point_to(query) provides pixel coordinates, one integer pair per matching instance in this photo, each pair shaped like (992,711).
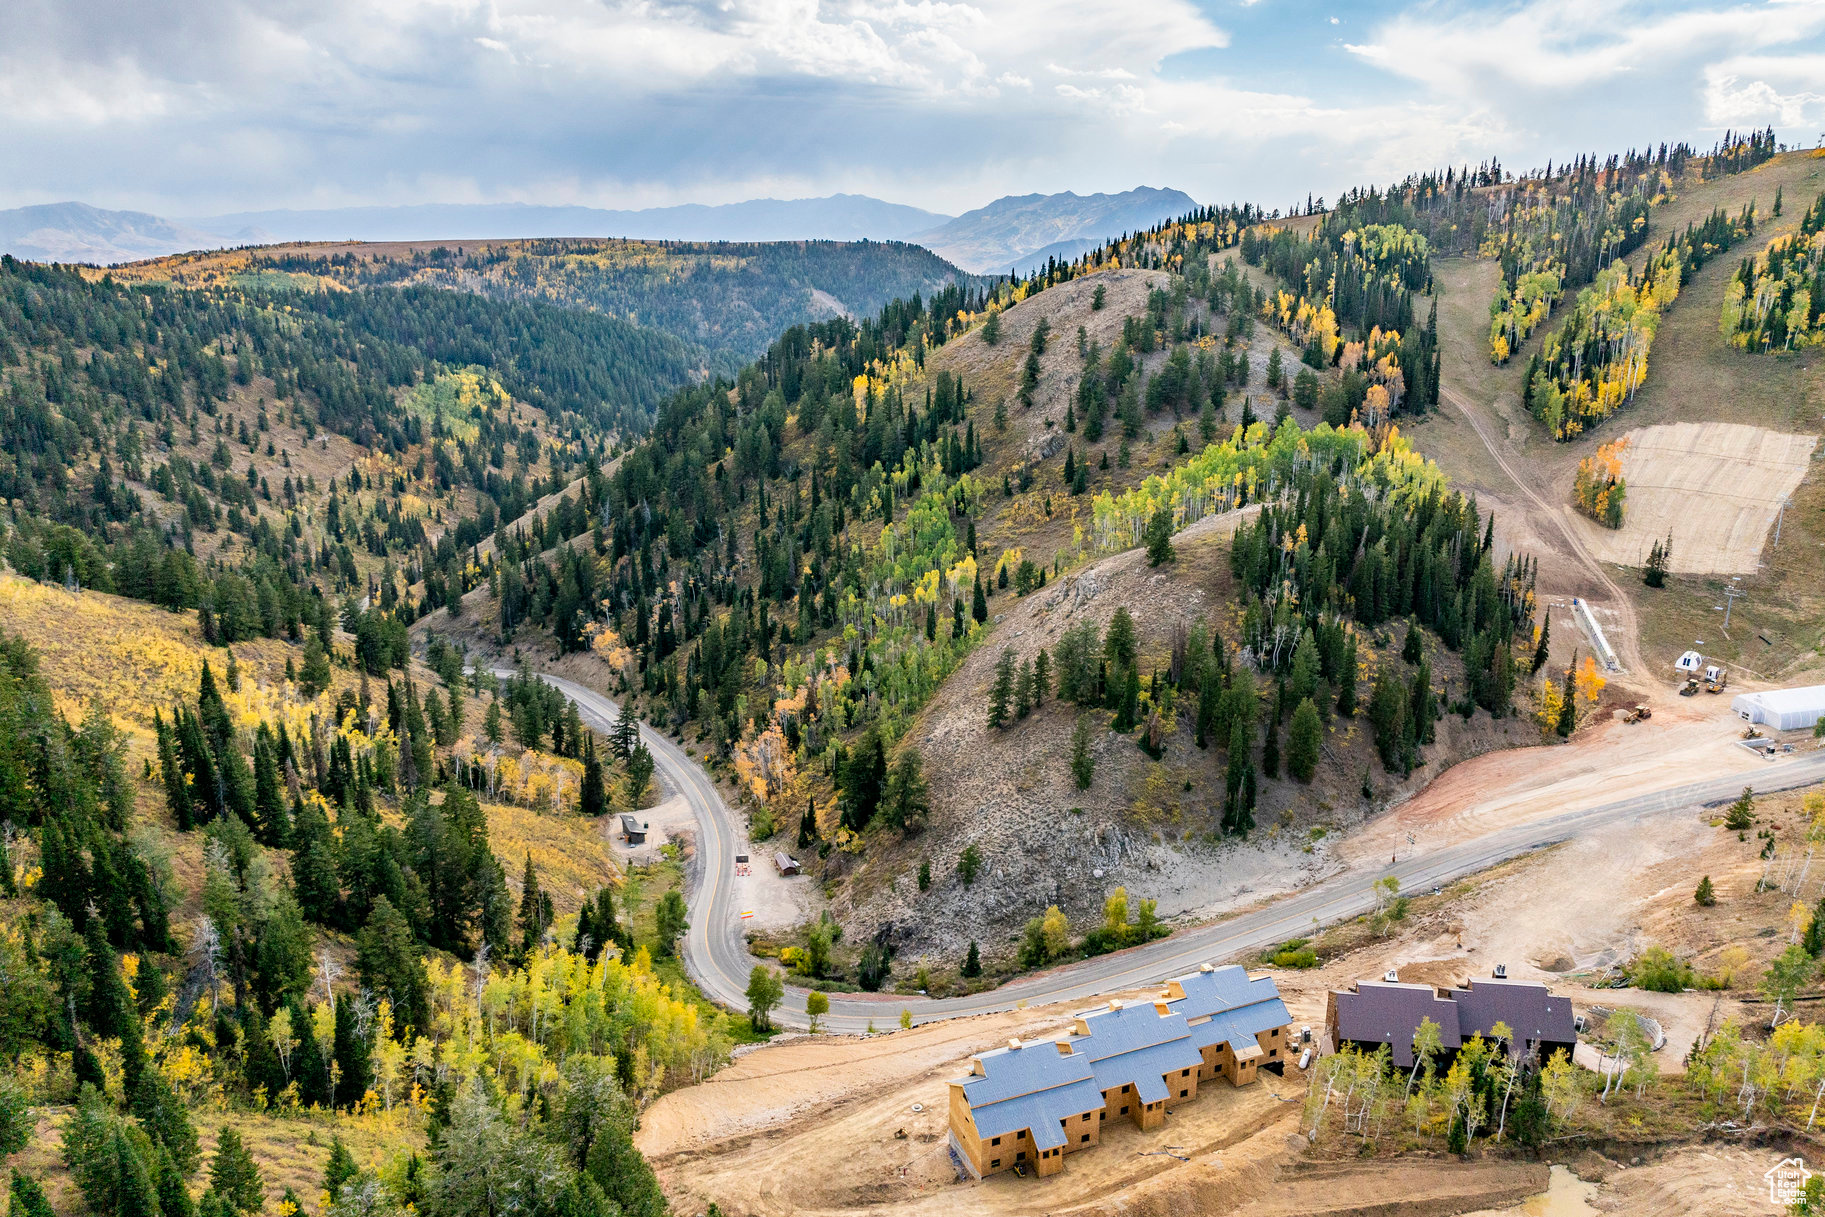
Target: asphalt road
(717,958)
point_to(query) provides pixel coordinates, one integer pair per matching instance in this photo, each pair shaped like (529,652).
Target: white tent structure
(1691,662)
(1782,709)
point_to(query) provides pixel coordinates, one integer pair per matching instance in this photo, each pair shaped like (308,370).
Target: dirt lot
(1714,487)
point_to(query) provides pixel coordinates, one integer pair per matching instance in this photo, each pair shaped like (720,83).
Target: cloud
(192,106)
(1572,44)
(1754,91)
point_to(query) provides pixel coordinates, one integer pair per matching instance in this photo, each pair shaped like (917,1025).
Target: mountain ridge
(1017,231)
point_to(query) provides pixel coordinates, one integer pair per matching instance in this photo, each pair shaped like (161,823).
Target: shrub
(1659,970)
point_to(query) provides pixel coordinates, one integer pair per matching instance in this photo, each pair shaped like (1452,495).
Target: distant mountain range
(77,232)
(1016,232)
(1021,231)
(838,217)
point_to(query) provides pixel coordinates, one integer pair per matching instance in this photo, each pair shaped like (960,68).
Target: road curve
(716,954)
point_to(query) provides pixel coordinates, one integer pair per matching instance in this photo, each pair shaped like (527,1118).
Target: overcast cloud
(202,106)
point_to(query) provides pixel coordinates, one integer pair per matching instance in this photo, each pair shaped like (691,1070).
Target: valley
(973,650)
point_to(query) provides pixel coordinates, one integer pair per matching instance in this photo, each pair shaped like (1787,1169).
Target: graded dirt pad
(1715,487)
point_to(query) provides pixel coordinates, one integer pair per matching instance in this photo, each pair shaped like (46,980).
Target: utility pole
(1779,517)
(1731,593)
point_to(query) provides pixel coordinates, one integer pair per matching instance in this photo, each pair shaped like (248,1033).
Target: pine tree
(1655,573)
(339,1170)
(1410,647)
(979,607)
(592,799)
(1543,649)
(991,329)
(1706,896)
(351,1053)
(1741,816)
(234,1176)
(534,907)
(27,1197)
(1568,706)
(807,825)
(171,773)
(1303,742)
(972,962)
(1158,538)
(1001,693)
(1023,690)
(491,721)
(1042,678)
(1270,750)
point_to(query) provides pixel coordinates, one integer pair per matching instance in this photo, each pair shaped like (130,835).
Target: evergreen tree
(972,962)
(1543,649)
(392,965)
(1410,647)
(1568,705)
(1270,750)
(351,1052)
(1346,678)
(1001,693)
(1388,715)
(339,1170)
(991,329)
(979,605)
(807,825)
(234,1176)
(1042,678)
(592,799)
(27,1197)
(1813,941)
(536,911)
(1303,742)
(1158,538)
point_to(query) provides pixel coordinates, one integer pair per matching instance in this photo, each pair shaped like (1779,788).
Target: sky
(195,107)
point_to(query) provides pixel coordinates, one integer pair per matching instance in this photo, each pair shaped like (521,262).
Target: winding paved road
(717,958)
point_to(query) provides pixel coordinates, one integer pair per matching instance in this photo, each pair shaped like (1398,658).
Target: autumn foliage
(1600,490)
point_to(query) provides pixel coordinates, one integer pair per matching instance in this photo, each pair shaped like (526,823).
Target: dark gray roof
(1529,1009)
(1034,1087)
(1386,1013)
(1137,1045)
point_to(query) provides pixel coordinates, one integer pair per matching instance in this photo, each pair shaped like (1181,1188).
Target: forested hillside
(792,566)
(262,871)
(726,300)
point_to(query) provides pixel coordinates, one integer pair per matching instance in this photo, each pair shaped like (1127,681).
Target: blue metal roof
(1137,1045)
(1042,1114)
(1241,1025)
(1034,1087)
(1219,989)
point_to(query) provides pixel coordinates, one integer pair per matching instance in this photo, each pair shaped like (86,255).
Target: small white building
(1691,663)
(1782,709)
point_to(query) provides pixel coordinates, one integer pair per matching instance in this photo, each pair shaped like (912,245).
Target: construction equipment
(1637,713)
(1689,688)
(1715,679)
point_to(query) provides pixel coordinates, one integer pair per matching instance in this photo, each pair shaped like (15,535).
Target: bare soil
(1714,488)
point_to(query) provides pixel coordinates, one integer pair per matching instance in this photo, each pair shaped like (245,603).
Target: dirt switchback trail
(1626,640)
